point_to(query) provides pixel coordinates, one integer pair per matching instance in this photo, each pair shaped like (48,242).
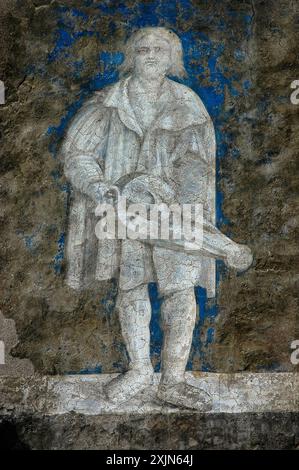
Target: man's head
(153,52)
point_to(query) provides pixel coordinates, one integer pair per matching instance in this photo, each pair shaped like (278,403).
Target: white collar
(179,106)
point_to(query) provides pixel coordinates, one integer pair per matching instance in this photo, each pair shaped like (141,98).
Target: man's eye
(143,50)
(157,49)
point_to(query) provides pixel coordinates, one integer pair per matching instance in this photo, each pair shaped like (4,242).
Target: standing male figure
(147,131)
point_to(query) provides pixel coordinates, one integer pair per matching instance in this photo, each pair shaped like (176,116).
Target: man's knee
(180,306)
(180,295)
(134,302)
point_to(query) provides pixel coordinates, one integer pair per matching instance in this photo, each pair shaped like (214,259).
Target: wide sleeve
(193,166)
(200,155)
(84,146)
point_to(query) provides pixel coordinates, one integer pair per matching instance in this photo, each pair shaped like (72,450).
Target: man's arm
(84,143)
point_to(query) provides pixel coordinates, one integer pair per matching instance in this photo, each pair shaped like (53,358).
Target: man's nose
(151,53)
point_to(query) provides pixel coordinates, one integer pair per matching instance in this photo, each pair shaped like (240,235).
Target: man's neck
(148,86)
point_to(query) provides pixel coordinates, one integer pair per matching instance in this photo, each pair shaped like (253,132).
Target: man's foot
(126,386)
(184,395)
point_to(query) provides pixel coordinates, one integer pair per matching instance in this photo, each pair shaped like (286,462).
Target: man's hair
(176,69)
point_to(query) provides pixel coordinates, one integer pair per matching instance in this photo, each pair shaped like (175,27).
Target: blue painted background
(206,76)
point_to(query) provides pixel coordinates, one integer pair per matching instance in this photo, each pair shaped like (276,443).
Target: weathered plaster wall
(241,57)
(12,365)
(249,431)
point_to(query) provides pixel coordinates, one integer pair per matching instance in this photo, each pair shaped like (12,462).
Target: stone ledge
(232,393)
(251,411)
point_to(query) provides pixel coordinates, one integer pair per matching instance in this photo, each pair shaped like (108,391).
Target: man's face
(152,57)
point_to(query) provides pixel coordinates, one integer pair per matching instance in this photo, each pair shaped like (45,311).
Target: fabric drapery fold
(104,144)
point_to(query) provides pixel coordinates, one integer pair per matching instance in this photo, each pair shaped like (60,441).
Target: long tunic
(106,145)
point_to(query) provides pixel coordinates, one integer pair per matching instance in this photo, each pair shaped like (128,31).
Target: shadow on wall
(9,438)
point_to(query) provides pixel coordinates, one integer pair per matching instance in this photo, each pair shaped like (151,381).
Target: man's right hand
(111,195)
(102,193)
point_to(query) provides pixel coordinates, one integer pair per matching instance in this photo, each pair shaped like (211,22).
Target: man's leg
(179,315)
(134,314)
